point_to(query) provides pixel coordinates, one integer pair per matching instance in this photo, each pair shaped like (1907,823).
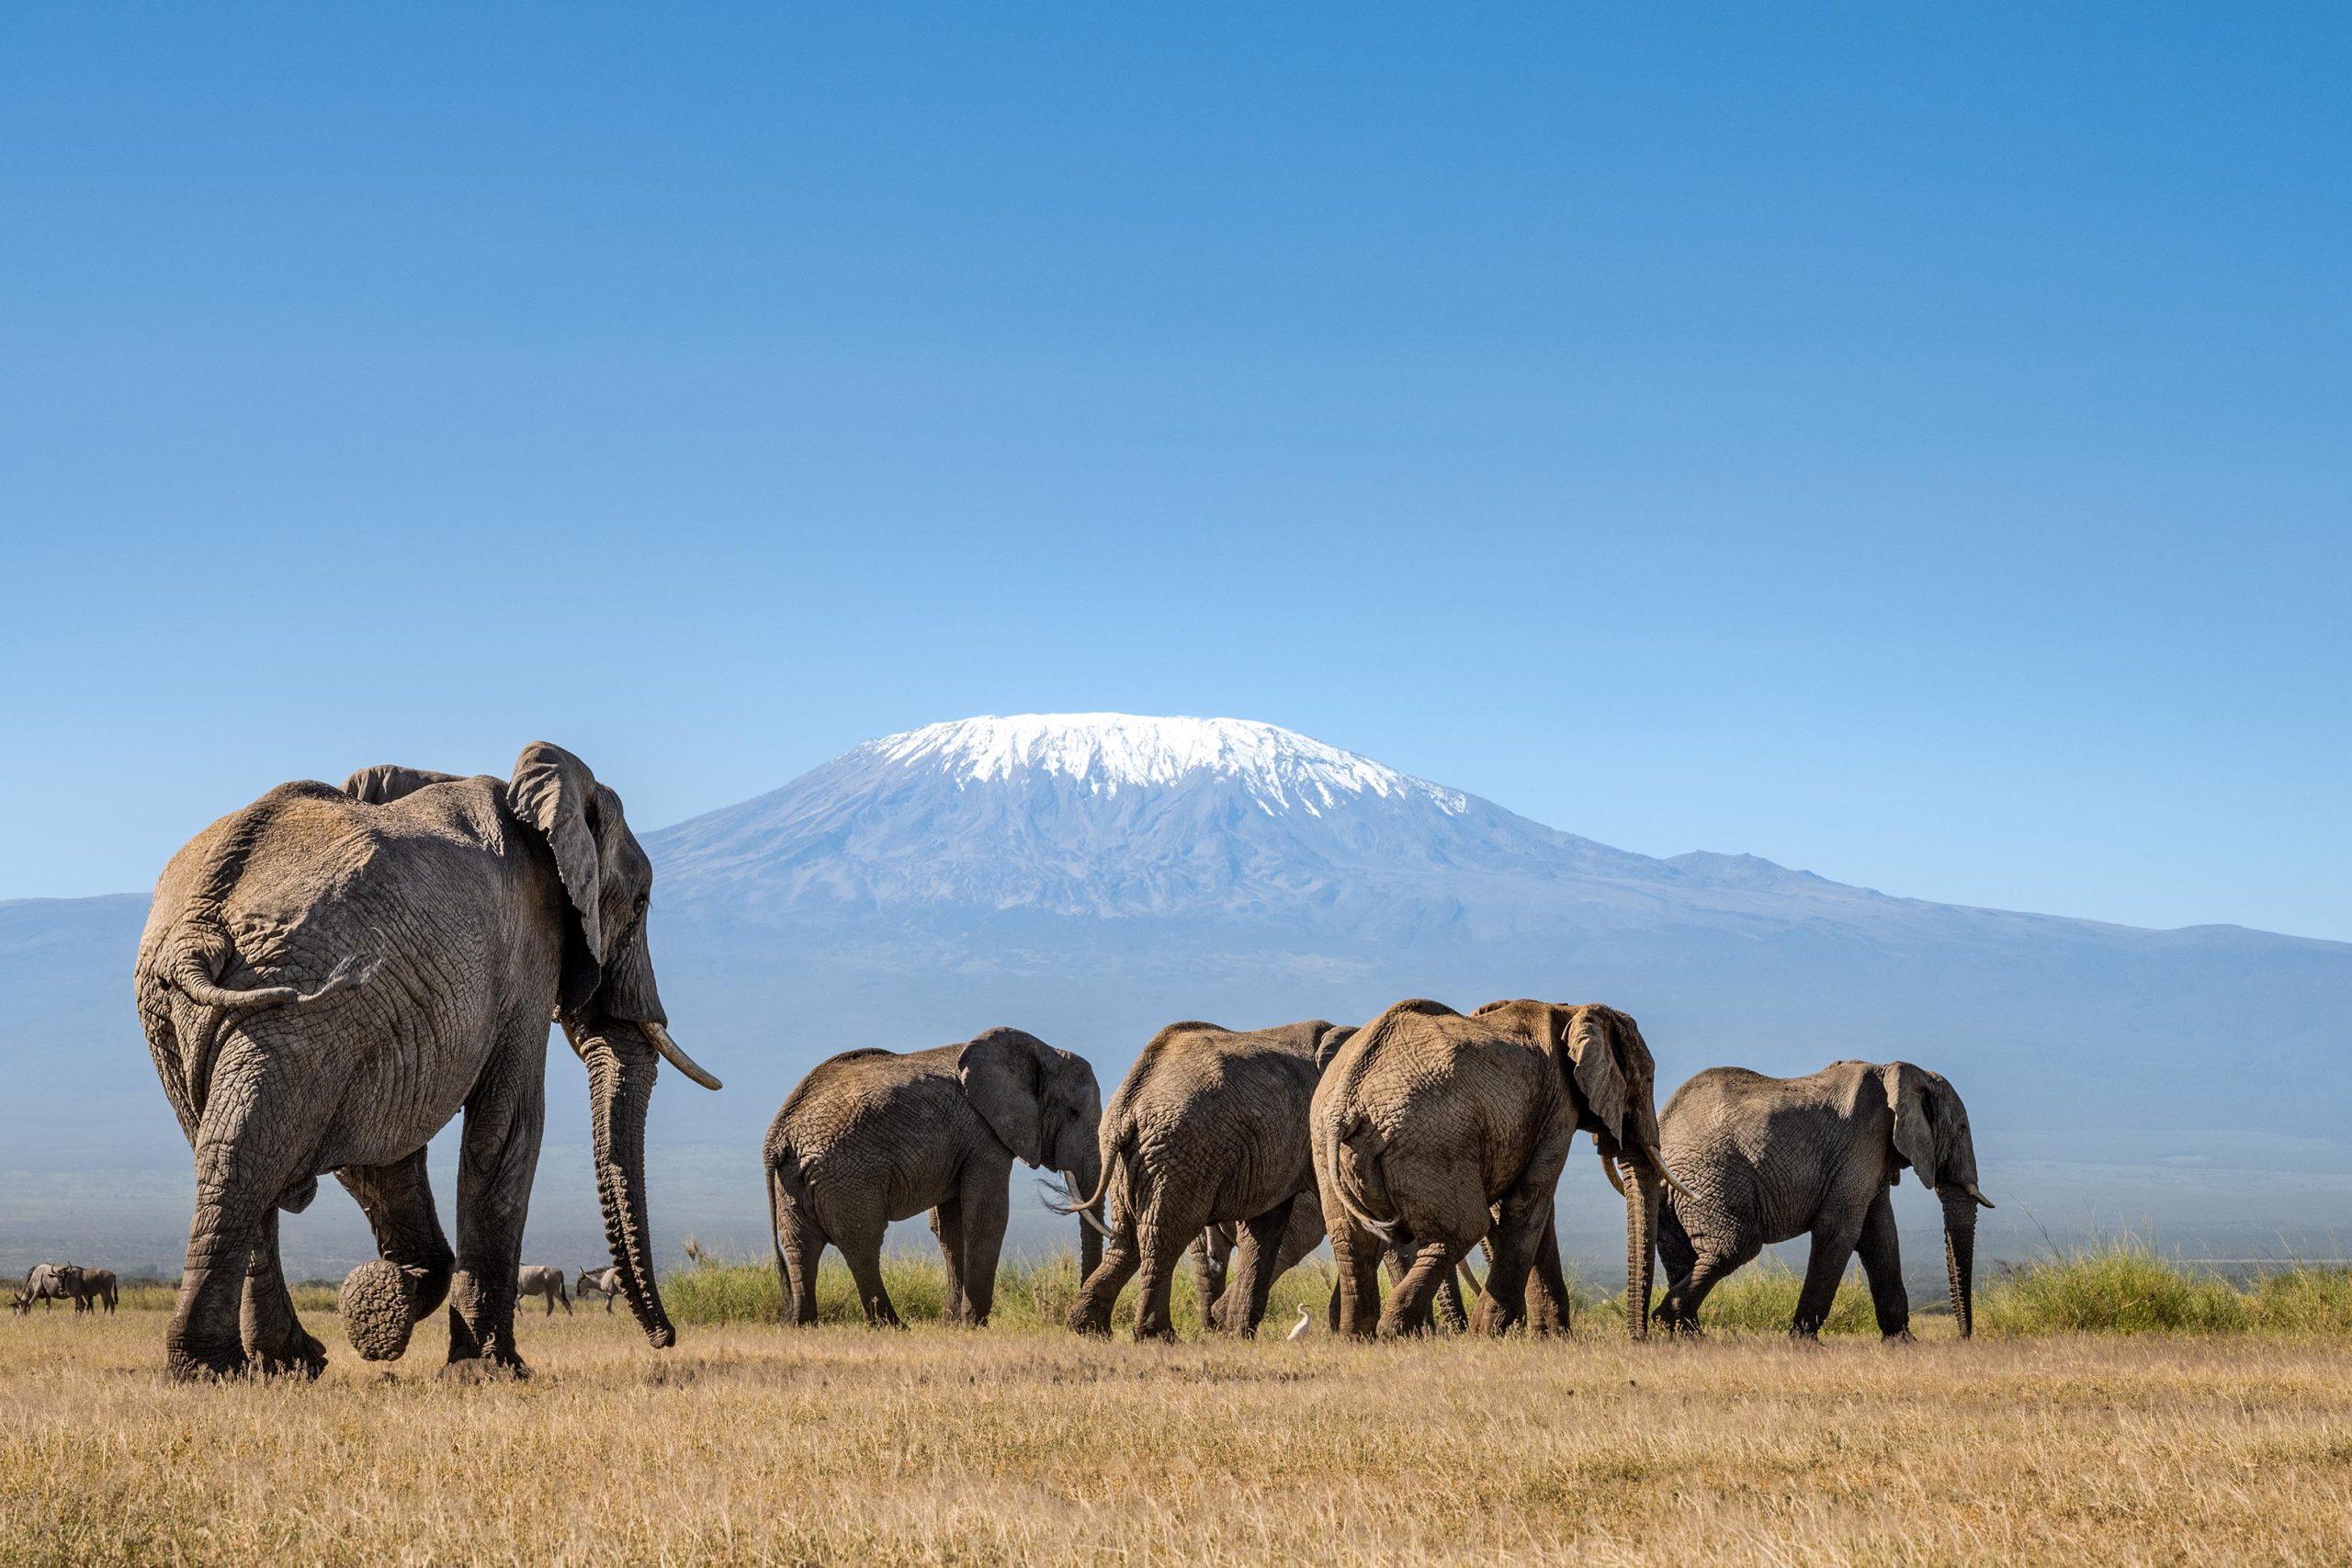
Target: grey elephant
(1208,1127)
(1444,1129)
(543,1280)
(1765,1160)
(329,976)
(872,1137)
(604,1282)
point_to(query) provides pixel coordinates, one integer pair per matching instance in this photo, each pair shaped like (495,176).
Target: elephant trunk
(1643,1194)
(1959,1258)
(621,1065)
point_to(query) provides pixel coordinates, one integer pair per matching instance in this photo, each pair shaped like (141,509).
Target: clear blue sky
(1912,443)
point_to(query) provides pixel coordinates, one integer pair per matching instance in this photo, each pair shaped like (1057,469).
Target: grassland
(2209,1434)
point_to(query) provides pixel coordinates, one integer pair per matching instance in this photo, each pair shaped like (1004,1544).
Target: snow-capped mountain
(1109,817)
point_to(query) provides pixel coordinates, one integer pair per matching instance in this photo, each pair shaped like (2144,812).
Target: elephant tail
(192,966)
(1361,1140)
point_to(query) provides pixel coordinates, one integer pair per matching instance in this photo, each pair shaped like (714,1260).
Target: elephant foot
(378,1311)
(1806,1337)
(300,1356)
(1900,1337)
(486,1368)
(184,1365)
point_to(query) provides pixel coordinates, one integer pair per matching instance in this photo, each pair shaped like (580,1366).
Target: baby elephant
(1767,1159)
(541,1279)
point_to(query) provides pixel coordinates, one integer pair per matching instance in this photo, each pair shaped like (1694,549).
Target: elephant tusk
(1657,1159)
(1979,1196)
(676,1057)
(1608,1170)
(1086,1217)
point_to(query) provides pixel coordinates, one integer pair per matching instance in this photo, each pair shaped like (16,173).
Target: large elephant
(1444,1129)
(329,976)
(1209,1126)
(1767,1159)
(872,1137)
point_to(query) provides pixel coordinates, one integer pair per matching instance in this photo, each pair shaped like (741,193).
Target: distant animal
(1763,1160)
(1208,1127)
(47,1282)
(92,1288)
(328,977)
(604,1282)
(1298,1330)
(872,1137)
(539,1279)
(1445,1130)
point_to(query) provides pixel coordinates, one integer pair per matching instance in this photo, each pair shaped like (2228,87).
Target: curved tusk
(1087,1215)
(675,1057)
(1608,1170)
(1979,1197)
(1657,1159)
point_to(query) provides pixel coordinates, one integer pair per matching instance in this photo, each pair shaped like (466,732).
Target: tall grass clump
(2117,1287)
(1762,1299)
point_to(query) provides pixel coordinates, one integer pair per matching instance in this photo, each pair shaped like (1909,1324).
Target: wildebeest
(92,1288)
(48,1282)
(542,1280)
(604,1282)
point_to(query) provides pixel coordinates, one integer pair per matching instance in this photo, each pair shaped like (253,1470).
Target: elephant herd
(1408,1142)
(330,976)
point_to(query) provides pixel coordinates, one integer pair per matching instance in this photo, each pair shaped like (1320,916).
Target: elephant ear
(1915,1128)
(388,782)
(553,791)
(1328,1044)
(1003,1079)
(1597,1045)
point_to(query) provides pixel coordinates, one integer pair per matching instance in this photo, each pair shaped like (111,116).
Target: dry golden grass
(753,1444)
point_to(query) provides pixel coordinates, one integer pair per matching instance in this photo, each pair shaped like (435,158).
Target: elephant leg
(1833,1248)
(986,1202)
(241,1171)
(948,1226)
(273,1337)
(1548,1285)
(1882,1267)
(862,1249)
(1100,1293)
(1502,1305)
(803,1247)
(397,1200)
(1357,1252)
(1158,1249)
(1209,1252)
(496,1160)
(1409,1310)
(1397,1262)
(1255,1257)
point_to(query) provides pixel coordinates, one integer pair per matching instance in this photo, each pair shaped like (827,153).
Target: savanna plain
(2110,1409)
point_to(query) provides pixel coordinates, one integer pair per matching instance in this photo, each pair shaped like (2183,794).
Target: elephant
(604,1282)
(48,1282)
(1442,1130)
(871,1137)
(1765,1160)
(542,1280)
(329,976)
(93,1288)
(1208,1127)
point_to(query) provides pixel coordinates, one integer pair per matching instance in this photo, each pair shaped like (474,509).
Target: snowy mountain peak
(1107,753)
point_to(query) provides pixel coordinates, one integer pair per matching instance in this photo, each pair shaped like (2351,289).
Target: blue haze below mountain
(1091,877)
